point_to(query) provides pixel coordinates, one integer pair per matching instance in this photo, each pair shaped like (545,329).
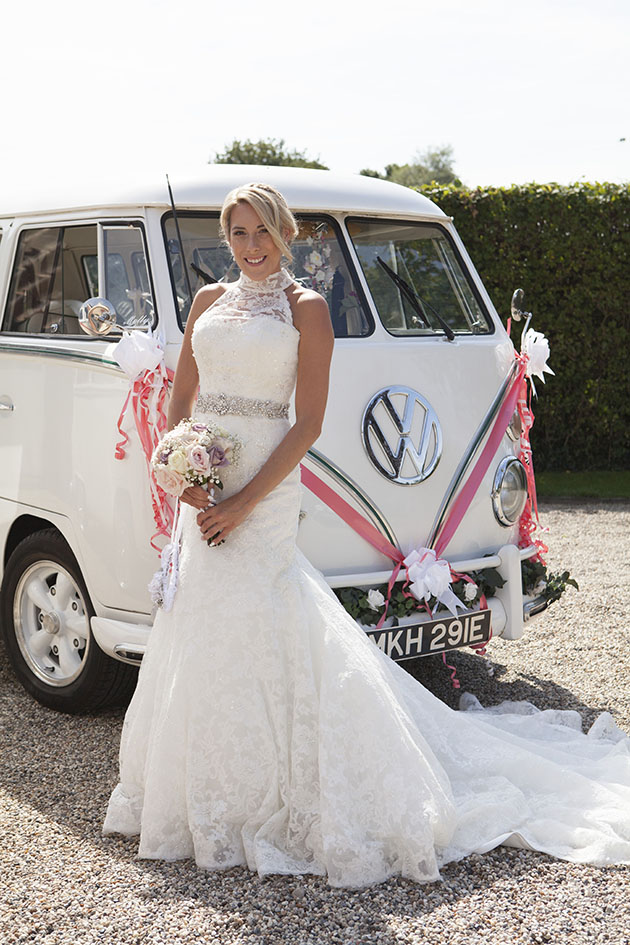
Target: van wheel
(45,613)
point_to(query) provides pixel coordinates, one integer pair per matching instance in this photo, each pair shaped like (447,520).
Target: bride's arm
(312,319)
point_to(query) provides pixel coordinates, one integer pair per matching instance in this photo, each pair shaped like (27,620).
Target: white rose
(178,462)
(470,591)
(375,599)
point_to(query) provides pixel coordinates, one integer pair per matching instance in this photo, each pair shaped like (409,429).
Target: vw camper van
(420,359)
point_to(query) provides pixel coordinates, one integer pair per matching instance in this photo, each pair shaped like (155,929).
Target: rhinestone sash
(243,406)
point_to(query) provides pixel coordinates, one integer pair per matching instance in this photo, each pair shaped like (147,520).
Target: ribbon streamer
(467,493)
(141,357)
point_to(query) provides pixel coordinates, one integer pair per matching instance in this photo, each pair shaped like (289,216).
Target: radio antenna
(179,240)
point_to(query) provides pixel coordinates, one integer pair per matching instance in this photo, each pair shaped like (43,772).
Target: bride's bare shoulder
(307,306)
(206,296)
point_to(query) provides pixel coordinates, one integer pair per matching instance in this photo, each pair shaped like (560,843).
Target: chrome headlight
(509,491)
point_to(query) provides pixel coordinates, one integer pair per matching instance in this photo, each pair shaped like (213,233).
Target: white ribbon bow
(536,347)
(430,576)
(137,352)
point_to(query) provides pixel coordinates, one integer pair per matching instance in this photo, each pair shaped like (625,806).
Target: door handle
(6,403)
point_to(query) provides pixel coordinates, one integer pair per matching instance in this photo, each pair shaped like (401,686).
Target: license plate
(433,636)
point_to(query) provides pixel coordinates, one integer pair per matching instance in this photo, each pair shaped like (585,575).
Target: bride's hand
(222,518)
(196,496)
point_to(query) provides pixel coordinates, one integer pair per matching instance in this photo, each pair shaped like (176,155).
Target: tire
(45,613)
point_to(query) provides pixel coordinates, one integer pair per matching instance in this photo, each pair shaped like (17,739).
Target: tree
(434,165)
(264,151)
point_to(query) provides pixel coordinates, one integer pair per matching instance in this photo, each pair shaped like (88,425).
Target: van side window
(56,270)
(319,262)
(33,304)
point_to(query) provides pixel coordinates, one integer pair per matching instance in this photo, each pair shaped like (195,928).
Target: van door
(66,392)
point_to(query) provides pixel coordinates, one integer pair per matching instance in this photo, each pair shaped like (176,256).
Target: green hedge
(569,249)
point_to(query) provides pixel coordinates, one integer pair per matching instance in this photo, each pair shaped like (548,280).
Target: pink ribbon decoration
(147,395)
(360,525)
(529,521)
(349,515)
(467,493)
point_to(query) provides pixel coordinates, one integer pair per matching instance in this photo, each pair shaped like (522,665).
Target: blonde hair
(272,209)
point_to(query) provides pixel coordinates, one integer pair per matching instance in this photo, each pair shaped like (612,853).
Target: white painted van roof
(304,189)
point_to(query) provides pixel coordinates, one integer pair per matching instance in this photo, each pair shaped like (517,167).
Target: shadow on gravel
(483,677)
(289,908)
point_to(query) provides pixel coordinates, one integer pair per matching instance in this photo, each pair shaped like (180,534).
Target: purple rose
(220,451)
(199,427)
(217,456)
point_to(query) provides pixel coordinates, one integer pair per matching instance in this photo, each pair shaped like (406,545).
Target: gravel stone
(65,884)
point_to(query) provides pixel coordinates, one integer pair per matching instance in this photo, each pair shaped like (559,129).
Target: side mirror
(517,306)
(97,317)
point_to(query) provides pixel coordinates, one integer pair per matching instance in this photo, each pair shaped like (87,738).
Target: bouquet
(191,455)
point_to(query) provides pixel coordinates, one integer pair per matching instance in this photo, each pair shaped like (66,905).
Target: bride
(266,730)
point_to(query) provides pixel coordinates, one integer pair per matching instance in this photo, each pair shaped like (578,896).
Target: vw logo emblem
(402,435)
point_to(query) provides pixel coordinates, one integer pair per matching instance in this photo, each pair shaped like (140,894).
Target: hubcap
(52,625)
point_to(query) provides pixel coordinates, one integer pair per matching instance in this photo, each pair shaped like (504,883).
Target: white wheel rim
(52,625)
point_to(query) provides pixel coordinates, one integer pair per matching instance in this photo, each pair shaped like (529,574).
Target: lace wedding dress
(267,730)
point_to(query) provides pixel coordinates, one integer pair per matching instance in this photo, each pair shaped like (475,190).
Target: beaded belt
(242,406)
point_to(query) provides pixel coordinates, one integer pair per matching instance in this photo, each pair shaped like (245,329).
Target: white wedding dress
(267,730)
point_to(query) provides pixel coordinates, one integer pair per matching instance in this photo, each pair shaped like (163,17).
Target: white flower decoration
(375,599)
(430,576)
(470,591)
(536,347)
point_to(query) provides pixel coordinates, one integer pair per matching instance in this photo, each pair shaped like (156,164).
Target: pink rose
(170,481)
(198,458)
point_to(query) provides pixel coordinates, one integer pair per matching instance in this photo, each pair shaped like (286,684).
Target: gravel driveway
(63,883)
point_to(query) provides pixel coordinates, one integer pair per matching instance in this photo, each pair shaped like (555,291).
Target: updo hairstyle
(272,209)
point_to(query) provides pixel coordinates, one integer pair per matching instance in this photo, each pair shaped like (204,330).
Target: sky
(521,92)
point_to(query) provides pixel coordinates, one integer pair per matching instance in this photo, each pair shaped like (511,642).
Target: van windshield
(424,257)
(319,262)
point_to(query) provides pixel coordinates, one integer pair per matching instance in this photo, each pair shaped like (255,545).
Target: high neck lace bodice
(248,298)
(277,281)
(245,345)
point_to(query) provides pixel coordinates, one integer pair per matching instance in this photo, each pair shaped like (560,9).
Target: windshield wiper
(416,300)
(207,278)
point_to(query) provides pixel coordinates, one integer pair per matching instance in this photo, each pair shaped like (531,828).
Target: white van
(414,380)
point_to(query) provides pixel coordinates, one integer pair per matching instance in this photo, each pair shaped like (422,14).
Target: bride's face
(255,252)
